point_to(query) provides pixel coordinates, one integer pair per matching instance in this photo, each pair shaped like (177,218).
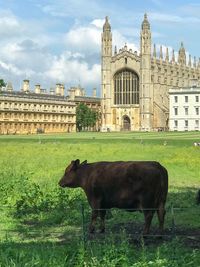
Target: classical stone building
(135,85)
(27,112)
(184,112)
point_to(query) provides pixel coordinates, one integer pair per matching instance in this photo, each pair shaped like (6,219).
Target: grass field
(41,224)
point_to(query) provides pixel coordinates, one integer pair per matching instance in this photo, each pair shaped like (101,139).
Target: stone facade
(134,87)
(184,112)
(27,112)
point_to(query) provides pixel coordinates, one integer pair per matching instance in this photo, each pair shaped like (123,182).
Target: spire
(154,51)
(182,55)
(106,26)
(145,23)
(115,50)
(125,47)
(199,63)
(167,55)
(161,53)
(173,56)
(190,61)
(194,63)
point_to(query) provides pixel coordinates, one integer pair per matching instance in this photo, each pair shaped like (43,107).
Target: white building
(184,111)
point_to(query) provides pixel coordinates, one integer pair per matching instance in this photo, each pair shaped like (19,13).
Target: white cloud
(98,23)
(9,25)
(71,71)
(84,38)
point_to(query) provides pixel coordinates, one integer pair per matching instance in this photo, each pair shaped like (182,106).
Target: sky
(59,41)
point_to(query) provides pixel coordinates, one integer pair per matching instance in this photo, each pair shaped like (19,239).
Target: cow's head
(70,178)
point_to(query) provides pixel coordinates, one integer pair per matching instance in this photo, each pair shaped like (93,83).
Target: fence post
(83,225)
(173,221)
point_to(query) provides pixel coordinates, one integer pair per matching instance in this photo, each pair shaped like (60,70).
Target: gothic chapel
(135,87)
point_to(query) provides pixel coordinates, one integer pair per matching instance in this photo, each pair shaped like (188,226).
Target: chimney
(71,93)
(58,89)
(52,92)
(37,89)
(94,92)
(9,87)
(25,87)
(62,89)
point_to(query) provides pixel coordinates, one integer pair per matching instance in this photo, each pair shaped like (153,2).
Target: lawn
(42,225)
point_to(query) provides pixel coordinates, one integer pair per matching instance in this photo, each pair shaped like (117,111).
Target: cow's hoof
(102,231)
(91,230)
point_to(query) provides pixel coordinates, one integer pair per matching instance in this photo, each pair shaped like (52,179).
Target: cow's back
(129,185)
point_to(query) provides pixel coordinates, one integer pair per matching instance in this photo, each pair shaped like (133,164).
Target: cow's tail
(164,186)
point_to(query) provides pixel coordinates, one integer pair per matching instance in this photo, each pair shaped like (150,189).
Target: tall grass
(40,216)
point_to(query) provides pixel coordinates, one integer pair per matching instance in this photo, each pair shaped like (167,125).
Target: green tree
(85,117)
(2,83)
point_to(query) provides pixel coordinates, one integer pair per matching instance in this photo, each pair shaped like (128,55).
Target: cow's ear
(77,162)
(84,162)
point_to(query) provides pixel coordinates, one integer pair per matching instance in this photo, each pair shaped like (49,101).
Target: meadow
(43,225)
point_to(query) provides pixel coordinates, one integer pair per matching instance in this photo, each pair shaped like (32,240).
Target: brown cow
(131,185)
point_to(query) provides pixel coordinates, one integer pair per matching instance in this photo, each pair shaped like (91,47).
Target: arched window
(126,88)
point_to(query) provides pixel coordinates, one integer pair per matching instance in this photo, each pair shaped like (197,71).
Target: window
(176,99)
(175,111)
(175,123)
(196,123)
(197,98)
(186,111)
(186,98)
(197,111)
(126,87)
(186,123)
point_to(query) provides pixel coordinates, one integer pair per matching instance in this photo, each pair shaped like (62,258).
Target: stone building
(184,112)
(135,86)
(27,112)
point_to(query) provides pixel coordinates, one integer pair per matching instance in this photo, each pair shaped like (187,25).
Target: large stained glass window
(126,87)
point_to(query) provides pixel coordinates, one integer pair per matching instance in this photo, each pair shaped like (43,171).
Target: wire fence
(176,225)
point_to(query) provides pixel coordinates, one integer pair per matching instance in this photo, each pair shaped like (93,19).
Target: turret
(106,52)
(145,76)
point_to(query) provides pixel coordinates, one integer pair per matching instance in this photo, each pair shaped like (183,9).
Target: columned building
(135,86)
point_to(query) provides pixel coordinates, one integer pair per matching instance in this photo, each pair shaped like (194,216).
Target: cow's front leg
(102,222)
(148,215)
(93,221)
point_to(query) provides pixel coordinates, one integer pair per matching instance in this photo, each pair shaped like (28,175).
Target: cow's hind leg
(93,220)
(102,222)
(148,215)
(161,216)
